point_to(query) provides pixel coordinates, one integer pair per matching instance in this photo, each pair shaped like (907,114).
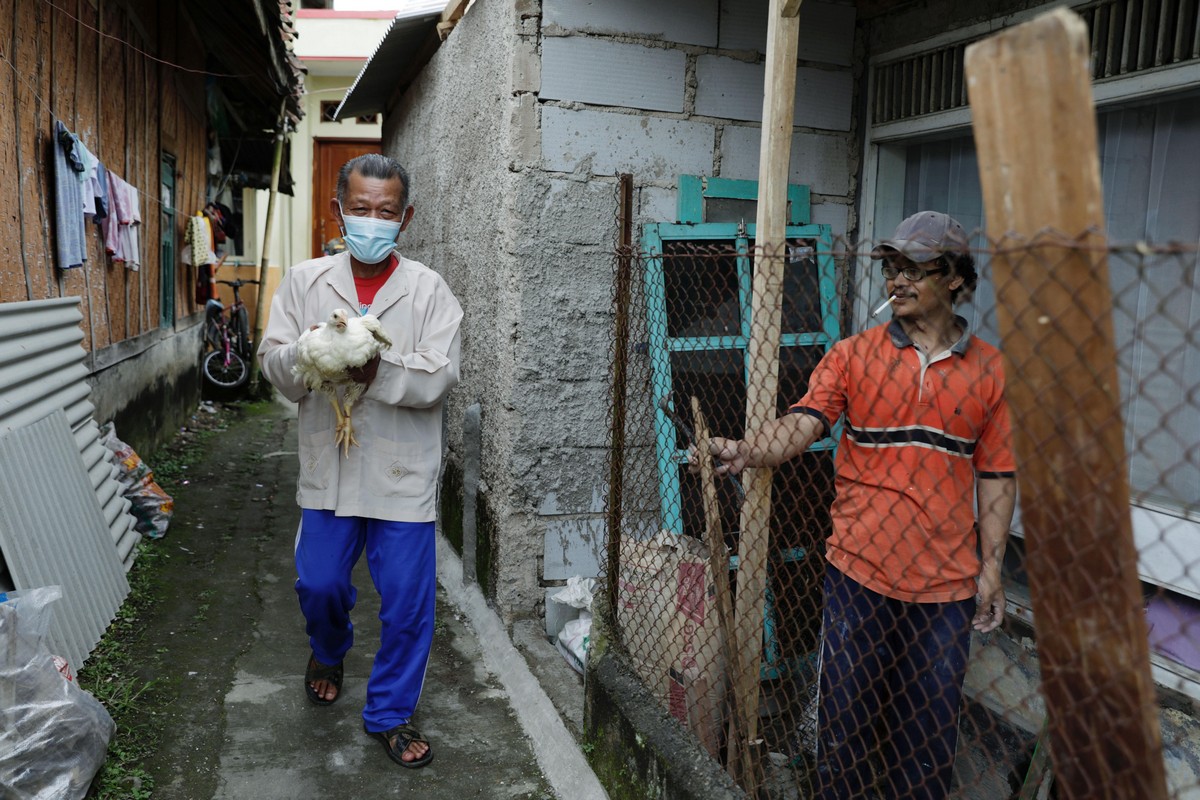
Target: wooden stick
(779,100)
(1036,138)
(718,559)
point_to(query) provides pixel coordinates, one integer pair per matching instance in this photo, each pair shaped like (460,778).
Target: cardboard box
(667,613)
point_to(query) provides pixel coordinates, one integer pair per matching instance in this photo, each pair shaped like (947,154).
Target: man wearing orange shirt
(911,567)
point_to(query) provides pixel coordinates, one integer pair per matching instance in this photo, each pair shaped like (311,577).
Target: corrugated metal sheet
(53,532)
(395,52)
(41,370)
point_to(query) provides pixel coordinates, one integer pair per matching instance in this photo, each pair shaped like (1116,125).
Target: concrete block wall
(657,90)
(690,74)
(453,129)
(515,156)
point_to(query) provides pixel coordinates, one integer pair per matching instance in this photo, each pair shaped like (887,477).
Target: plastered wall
(515,134)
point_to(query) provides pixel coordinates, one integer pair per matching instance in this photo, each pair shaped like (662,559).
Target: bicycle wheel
(225,374)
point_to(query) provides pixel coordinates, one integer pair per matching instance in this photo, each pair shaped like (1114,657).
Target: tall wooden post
(1035,132)
(779,101)
(264,260)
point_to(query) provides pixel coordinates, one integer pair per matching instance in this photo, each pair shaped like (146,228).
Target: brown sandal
(404,736)
(316,671)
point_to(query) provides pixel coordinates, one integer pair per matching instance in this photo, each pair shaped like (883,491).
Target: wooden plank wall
(126,77)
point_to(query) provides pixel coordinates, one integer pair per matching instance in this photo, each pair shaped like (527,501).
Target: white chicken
(326,352)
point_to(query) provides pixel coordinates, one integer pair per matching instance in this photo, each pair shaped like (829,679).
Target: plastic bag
(572,641)
(53,735)
(577,593)
(152,507)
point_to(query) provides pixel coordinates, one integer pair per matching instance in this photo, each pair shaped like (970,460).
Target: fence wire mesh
(865,679)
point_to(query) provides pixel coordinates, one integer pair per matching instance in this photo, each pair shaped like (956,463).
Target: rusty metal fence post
(616,465)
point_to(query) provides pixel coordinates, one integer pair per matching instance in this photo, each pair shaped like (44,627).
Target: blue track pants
(401,557)
(892,675)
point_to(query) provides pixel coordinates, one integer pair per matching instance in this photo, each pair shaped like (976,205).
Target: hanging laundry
(93,185)
(70,244)
(131,227)
(121,237)
(198,241)
(113,244)
(86,177)
(101,189)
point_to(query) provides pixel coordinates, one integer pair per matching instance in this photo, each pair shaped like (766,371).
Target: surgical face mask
(368,239)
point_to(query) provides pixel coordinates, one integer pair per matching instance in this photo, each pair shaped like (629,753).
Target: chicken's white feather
(325,354)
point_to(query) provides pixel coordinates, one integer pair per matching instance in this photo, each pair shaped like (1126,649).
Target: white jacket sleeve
(424,377)
(277,351)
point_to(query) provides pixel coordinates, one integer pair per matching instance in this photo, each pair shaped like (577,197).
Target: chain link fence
(865,702)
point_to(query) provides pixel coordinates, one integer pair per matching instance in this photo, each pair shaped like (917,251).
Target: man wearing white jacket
(382,497)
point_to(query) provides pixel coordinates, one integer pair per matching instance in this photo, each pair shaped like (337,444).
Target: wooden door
(328,157)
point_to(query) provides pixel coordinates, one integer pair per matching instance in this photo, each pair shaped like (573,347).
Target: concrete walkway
(228,648)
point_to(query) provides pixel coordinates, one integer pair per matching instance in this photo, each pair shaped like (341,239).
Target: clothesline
(85,189)
(141,52)
(149,195)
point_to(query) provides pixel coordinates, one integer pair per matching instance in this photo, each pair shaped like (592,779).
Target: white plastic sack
(577,593)
(53,735)
(573,640)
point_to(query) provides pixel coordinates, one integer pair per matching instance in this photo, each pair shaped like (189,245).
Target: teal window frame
(661,346)
(693,191)
(166,246)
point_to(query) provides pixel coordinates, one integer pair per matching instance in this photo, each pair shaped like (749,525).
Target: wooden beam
(779,100)
(791,7)
(718,560)
(1035,133)
(450,16)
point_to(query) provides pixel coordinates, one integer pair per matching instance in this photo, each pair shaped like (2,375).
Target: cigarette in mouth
(883,305)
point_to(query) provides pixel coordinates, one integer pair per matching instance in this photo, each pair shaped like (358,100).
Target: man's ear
(408,215)
(336,211)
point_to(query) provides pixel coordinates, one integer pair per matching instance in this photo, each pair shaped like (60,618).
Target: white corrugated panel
(53,533)
(41,370)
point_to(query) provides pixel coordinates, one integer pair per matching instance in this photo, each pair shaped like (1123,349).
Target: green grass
(111,673)
(111,676)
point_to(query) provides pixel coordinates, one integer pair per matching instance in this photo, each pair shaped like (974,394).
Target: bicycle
(227,365)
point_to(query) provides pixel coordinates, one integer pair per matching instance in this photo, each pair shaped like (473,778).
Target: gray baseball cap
(924,236)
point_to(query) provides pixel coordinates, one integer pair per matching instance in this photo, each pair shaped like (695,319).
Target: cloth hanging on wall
(121,239)
(70,244)
(198,241)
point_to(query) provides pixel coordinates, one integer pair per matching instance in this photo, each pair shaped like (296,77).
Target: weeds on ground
(111,673)
(111,676)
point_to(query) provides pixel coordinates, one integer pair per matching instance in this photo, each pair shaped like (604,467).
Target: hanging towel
(70,244)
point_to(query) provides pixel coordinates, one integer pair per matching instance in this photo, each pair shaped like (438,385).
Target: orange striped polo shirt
(917,434)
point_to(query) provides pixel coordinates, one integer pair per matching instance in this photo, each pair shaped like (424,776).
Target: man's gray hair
(373,165)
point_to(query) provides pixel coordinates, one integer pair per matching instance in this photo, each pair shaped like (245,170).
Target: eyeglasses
(911,274)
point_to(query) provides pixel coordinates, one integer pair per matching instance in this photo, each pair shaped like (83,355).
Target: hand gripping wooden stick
(664,404)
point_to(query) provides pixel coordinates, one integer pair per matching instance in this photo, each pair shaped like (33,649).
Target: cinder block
(686,21)
(732,89)
(650,147)
(820,161)
(572,547)
(655,204)
(728,88)
(835,215)
(824,98)
(826,30)
(523,130)
(526,74)
(610,73)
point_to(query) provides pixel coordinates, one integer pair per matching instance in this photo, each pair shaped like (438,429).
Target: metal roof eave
(393,64)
